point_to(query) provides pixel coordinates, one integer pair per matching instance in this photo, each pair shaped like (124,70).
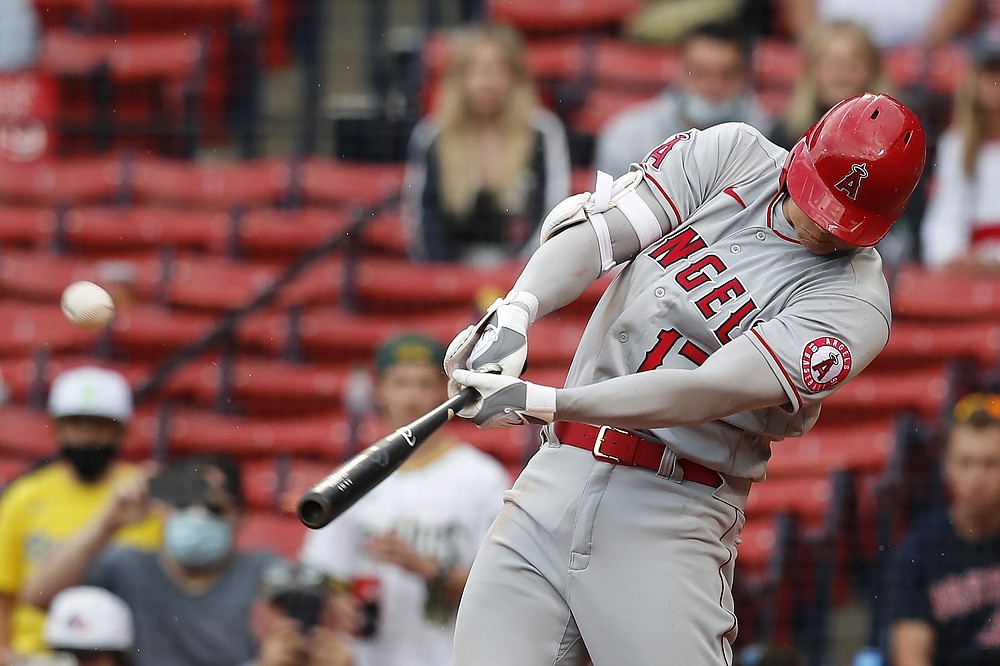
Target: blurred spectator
(485,169)
(841,61)
(19,34)
(714,88)
(667,21)
(924,23)
(191,600)
(769,655)
(90,409)
(961,226)
(407,547)
(91,624)
(945,580)
(294,619)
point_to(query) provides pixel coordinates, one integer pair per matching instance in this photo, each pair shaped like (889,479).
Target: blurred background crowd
(294,203)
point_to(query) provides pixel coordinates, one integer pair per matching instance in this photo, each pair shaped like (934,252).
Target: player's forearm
(734,380)
(561,268)
(68,564)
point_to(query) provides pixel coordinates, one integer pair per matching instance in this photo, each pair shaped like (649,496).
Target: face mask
(197,538)
(704,113)
(89,461)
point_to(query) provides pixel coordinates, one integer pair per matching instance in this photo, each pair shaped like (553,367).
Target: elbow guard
(608,194)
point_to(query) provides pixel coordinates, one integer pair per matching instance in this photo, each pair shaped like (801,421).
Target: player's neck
(975,525)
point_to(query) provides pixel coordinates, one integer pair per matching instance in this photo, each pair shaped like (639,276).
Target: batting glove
(499,342)
(503,400)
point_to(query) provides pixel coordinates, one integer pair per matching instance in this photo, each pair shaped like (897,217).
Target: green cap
(409,348)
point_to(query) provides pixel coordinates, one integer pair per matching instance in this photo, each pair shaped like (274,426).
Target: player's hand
(284,645)
(390,547)
(499,341)
(504,401)
(326,648)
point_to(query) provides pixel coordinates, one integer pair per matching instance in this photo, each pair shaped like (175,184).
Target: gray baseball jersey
(634,567)
(731,266)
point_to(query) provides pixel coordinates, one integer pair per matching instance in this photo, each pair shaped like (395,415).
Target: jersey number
(665,341)
(656,156)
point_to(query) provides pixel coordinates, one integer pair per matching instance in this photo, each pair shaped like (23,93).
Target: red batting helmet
(854,171)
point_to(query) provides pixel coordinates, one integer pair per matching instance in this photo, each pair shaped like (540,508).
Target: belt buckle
(598,454)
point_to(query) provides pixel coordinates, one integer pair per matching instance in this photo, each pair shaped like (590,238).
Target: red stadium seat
(338,183)
(11,469)
(261,480)
(554,341)
(531,15)
(279,533)
(151,332)
(60,13)
(920,344)
(269,387)
(173,57)
(211,186)
(921,293)
(922,391)
(216,284)
(26,226)
(862,449)
(908,66)
(600,106)
(110,231)
(286,233)
(401,283)
(193,431)
(27,327)
(342,337)
(25,434)
(554,58)
(78,181)
(807,497)
(777,63)
(387,234)
(647,69)
(510,446)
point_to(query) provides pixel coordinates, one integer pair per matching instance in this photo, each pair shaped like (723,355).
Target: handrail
(234,317)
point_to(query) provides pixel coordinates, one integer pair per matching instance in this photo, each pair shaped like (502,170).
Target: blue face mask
(705,113)
(197,538)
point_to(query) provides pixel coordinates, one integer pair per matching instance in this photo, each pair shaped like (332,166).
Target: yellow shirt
(42,510)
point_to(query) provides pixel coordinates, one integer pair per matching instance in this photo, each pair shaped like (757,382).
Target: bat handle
(462,399)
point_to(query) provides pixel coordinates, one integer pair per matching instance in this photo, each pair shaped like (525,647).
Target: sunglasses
(981,406)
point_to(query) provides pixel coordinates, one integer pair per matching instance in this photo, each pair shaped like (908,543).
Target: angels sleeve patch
(825,363)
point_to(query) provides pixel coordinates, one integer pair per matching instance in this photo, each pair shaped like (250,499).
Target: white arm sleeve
(669,397)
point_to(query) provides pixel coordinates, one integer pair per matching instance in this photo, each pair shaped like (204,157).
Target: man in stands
(407,547)
(713,87)
(945,585)
(191,600)
(90,409)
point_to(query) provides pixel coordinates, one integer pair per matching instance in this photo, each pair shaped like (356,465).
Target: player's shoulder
(422,135)
(869,283)
(745,140)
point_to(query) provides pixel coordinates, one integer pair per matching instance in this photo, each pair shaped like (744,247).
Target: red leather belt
(621,447)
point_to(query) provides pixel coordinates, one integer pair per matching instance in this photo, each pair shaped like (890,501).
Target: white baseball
(87,306)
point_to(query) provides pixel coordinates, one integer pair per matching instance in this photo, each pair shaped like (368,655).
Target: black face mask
(89,461)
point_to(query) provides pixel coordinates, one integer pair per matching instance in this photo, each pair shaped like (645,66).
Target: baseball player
(750,292)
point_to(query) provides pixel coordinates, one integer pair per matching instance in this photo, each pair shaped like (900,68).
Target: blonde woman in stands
(841,61)
(488,165)
(961,227)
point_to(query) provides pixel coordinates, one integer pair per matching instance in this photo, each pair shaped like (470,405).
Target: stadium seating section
(200,240)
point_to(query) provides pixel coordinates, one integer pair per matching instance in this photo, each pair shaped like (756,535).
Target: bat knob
(314,510)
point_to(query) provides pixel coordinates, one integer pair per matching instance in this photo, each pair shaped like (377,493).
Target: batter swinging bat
(356,477)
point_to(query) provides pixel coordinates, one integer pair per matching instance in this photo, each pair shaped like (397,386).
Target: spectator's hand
(390,547)
(283,645)
(327,648)
(130,502)
(343,612)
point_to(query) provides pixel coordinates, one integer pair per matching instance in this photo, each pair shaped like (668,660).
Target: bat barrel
(356,477)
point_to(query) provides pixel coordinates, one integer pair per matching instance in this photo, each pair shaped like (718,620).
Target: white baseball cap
(91,391)
(89,618)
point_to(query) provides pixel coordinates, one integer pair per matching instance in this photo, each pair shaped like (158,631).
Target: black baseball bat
(356,477)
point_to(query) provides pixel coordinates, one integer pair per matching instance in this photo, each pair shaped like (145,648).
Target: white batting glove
(499,342)
(503,400)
